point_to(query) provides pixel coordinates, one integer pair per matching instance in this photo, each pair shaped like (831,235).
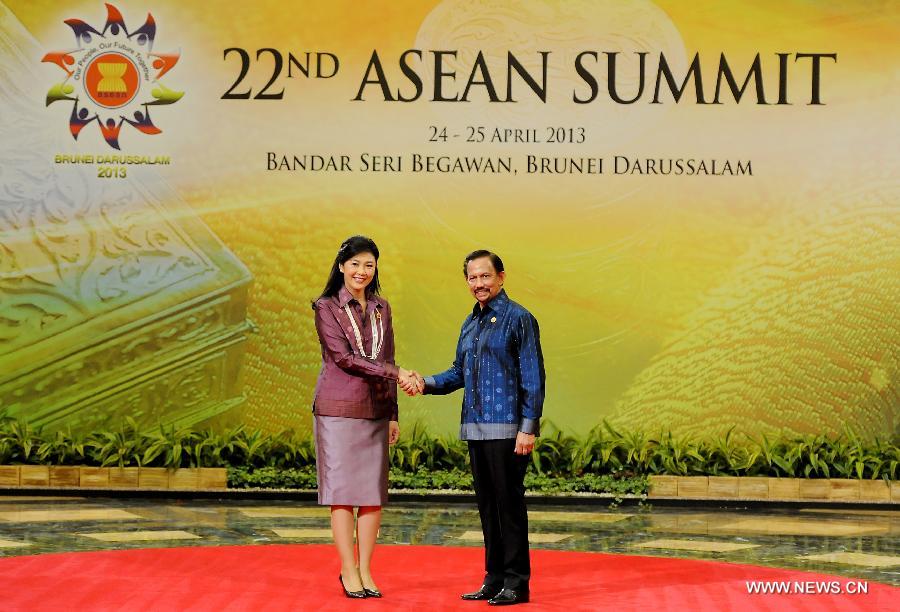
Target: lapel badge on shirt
(493,319)
(377,314)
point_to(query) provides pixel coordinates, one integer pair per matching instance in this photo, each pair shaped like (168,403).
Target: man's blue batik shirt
(500,366)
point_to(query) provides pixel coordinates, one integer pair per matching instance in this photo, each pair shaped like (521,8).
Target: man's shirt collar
(497,304)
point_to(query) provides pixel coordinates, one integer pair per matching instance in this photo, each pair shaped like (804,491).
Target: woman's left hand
(393,432)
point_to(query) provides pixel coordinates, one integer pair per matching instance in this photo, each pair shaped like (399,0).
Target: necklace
(377,334)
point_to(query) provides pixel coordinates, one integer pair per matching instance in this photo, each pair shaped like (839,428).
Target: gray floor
(859,544)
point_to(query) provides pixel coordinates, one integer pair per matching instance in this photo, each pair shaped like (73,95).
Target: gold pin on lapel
(493,319)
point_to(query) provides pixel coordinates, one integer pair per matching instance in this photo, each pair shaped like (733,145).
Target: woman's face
(358,271)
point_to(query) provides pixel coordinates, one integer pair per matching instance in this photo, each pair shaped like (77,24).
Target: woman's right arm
(335,344)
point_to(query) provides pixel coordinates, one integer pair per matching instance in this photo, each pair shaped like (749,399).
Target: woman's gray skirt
(351,460)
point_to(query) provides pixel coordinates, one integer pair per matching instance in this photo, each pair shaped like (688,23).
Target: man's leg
(487,510)
(508,470)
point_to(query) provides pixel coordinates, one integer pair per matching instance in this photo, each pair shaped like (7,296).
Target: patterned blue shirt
(500,365)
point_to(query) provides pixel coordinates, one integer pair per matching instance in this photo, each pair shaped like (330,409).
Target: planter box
(784,488)
(663,486)
(73,476)
(95,477)
(843,489)
(34,475)
(693,486)
(9,475)
(723,486)
(184,478)
(123,478)
(64,476)
(753,487)
(813,488)
(775,489)
(874,490)
(213,478)
(153,478)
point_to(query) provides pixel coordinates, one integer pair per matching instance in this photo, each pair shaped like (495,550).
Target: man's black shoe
(485,592)
(508,597)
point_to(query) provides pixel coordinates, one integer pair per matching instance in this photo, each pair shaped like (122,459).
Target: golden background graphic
(691,303)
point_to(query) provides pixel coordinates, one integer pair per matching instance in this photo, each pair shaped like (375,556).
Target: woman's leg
(342,530)
(368,522)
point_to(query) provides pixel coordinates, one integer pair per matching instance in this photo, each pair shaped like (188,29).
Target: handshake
(411,382)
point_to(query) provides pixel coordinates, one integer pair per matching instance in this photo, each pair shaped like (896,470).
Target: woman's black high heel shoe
(352,594)
(372,592)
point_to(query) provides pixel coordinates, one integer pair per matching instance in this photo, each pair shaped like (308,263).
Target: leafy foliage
(272,478)
(596,461)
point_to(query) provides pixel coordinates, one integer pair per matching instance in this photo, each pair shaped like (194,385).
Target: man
(500,366)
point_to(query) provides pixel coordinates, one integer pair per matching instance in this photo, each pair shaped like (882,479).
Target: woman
(355,406)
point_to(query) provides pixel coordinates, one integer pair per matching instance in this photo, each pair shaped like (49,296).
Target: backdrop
(698,202)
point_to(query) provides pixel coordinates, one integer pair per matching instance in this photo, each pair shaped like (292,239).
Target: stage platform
(139,554)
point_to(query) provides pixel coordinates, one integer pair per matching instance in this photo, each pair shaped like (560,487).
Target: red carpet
(304,577)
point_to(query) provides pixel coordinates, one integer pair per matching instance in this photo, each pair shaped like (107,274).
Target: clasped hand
(411,382)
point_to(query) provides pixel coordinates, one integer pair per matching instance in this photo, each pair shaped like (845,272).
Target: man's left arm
(531,382)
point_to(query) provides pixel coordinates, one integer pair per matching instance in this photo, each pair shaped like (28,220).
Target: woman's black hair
(350,248)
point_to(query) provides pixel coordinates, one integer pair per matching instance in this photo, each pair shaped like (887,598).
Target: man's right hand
(411,382)
(420,382)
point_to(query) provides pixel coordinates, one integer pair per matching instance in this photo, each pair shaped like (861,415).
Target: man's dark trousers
(499,477)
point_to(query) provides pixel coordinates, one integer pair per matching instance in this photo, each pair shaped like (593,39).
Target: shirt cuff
(429,382)
(392,371)
(530,426)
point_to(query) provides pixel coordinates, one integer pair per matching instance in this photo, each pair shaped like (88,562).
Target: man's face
(484,282)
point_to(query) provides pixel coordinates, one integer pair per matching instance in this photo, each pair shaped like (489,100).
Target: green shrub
(426,461)
(271,477)
(438,480)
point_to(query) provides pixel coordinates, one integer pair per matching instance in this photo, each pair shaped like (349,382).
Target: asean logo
(113,77)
